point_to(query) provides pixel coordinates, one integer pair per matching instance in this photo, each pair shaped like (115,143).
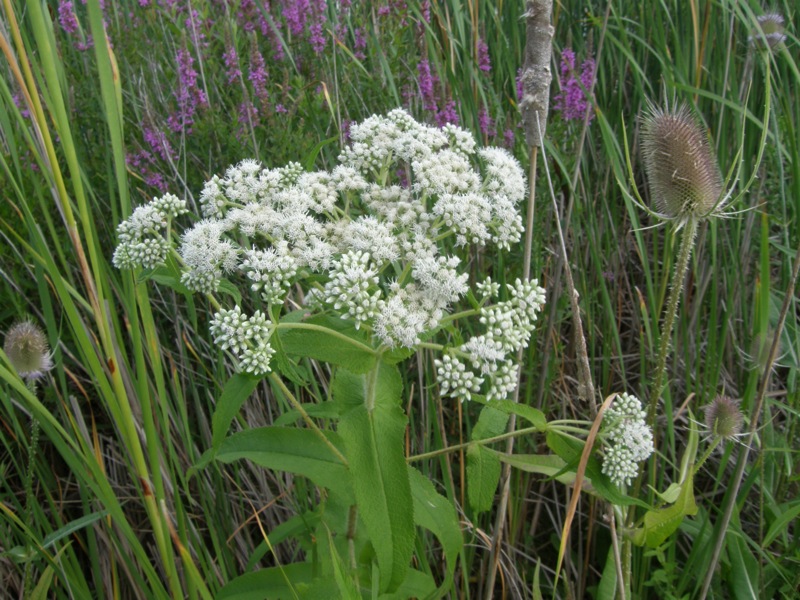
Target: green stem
(306,417)
(685,251)
(29,499)
(483,442)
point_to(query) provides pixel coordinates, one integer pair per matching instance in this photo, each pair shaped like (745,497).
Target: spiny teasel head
(770,32)
(724,417)
(685,180)
(27,350)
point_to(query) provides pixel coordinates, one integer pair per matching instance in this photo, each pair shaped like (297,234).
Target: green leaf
(491,423)
(275,582)
(332,340)
(743,577)
(344,582)
(661,523)
(551,465)
(226,287)
(483,465)
(299,451)
(72,527)
(435,513)
(532,415)
(285,365)
(322,410)
(594,480)
(607,588)
(790,513)
(483,475)
(372,427)
(416,585)
(298,528)
(236,391)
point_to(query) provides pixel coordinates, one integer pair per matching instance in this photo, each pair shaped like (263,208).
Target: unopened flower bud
(724,418)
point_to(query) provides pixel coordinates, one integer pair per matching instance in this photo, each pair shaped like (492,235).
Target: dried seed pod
(684,176)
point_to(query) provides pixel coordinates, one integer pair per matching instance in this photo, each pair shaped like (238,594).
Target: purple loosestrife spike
(685,180)
(724,418)
(27,350)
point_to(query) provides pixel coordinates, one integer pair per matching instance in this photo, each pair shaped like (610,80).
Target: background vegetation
(105,105)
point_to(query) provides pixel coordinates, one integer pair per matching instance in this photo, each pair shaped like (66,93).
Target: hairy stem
(685,251)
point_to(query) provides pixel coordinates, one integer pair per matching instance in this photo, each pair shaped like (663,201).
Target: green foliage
(139,397)
(372,427)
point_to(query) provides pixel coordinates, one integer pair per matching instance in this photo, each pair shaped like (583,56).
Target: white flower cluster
(372,240)
(493,354)
(628,438)
(247,338)
(142,237)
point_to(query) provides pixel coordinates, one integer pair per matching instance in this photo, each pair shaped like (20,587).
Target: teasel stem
(684,253)
(535,106)
(27,516)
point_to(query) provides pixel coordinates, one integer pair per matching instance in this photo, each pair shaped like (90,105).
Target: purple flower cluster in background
(67,18)
(231,60)
(156,148)
(573,101)
(484,62)
(427,83)
(258,77)
(448,114)
(486,123)
(188,94)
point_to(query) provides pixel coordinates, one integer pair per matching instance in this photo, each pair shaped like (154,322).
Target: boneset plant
(361,267)
(370,255)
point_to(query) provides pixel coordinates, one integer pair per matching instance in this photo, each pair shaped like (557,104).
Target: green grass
(127,410)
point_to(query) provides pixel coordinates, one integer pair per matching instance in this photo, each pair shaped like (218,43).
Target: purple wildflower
(188,94)
(360,44)
(258,76)
(425,9)
(158,142)
(484,62)
(317,38)
(384,11)
(67,18)
(231,60)
(248,119)
(447,115)
(508,138)
(486,123)
(296,12)
(281,109)
(426,85)
(247,15)
(23,109)
(520,89)
(573,101)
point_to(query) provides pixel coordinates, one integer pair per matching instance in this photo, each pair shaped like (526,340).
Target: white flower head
(629,440)
(207,256)
(455,379)
(247,338)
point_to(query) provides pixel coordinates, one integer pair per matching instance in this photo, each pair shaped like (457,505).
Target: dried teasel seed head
(770,31)
(27,350)
(685,180)
(724,417)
